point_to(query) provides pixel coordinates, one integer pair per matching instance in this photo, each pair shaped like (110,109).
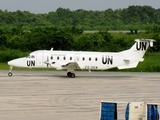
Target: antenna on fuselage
(52,49)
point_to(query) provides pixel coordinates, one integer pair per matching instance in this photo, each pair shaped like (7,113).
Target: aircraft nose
(11,63)
(20,62)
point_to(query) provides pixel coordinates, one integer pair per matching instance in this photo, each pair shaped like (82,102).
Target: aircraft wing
(72,65)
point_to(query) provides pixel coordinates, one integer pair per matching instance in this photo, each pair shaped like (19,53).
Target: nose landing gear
(10,72)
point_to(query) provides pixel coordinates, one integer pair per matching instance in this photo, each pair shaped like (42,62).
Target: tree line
(133,17)
(16,42)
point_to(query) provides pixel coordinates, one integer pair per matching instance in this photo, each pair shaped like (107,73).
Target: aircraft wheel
(69,74)
(10,74)
(72,75)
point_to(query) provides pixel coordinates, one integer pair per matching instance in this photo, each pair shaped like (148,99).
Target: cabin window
(51,57)
(96,59)
(83,58)
(70,58)
(32,56)
(58,58)
(64,58)
(89,58)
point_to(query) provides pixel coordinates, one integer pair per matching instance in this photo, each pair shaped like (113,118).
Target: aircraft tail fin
(139,48)
(135,54)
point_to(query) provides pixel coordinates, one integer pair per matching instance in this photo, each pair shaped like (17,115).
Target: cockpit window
(28,56)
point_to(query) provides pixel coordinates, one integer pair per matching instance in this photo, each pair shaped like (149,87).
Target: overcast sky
(45,6)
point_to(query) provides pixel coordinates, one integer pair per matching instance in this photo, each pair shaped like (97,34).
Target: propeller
(47,62)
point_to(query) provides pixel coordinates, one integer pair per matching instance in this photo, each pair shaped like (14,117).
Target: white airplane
(71,60)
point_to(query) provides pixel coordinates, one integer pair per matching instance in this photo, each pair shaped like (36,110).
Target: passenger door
(39,59)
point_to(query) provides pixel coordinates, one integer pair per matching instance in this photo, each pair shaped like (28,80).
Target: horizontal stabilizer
(133,59)
(126,66)
(130,63)
(149,40)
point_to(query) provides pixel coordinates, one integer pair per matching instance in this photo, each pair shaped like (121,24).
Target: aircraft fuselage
(55,59)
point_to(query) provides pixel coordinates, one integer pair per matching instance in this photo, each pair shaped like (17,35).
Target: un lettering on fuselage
(30,63)
(141,46)
(107,60)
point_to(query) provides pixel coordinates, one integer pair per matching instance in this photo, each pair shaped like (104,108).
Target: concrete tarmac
(51,95)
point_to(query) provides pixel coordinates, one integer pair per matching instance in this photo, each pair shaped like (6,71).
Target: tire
(69,74)
(10,74)
(72,75)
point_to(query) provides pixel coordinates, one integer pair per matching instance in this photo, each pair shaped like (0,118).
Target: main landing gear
(10,72)
(70,74)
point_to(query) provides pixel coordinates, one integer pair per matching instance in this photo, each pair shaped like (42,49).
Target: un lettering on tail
(141,45)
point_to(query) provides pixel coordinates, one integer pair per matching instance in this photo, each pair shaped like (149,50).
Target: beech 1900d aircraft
(71,60)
